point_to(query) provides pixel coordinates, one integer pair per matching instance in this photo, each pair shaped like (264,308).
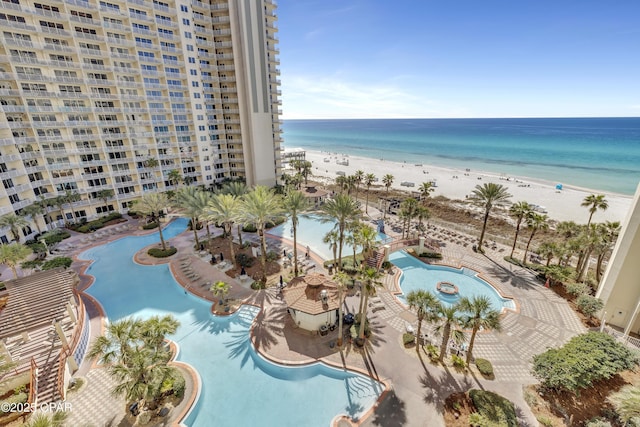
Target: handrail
(33,383)
(62,361)
(77,333)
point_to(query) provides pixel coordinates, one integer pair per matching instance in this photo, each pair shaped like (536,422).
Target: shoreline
(456,183)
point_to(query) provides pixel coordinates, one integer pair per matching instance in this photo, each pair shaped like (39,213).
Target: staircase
(376,260)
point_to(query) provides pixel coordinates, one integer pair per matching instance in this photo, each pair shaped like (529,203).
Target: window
(82,14)
(176,94)
(195,84)
(149,67)
(143,54)
(84,30)
(154,93)
(148,80)
(137,12)
(170,58)
(185,21)
(47,7)
(192,60)
(140,26)
(143,40)
(90,46)
(60,58)
(104,4)
(93,61)
(34,87)
(174,82)
(190,48)
(184,8)
(12,18)
(172,70)
(187,35)
(162,31)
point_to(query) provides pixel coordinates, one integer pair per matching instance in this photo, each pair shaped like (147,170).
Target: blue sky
(459,58)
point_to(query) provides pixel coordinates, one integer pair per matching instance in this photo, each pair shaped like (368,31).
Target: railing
(62,362)
(629,341)
(33,383)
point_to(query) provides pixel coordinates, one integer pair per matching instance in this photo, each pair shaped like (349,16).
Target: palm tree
(342,279)
(548,250)
(478,313)
(487,196)
(370,278)
(105,195)
(626,401)
(367,239)
(220,290)
(238,189)
(33,211)
(422,213)
(14,223)
(341,181)
(450,319)
(358,177)
(295,204)
(369,179)
(425,189)
(341,209)
(426,305)
(594,203)
(59,202)
(331,238)
(259,207)
(408,210)
(187,198)
(387,180)
(305,170)
(13,254)
(152,204)
(174,176)
(154,330)
(71,197)
(535,222)
(519,211)
(224,209)
(608,232)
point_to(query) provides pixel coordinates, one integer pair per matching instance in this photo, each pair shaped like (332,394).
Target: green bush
(597,422)
(257,285)
(494,407)
(15,398)
(408,339)
(576,289)
(589,305)
(545,421)
(178,385)
(458,362)
(244,260)
(386,265)
(160,253)
(514,261)
(433,352)
(271,256)
(56,236)
(57,262)
(585,359)
(144,418)
(249,228)
(485,367)
(433,255)
(150,226)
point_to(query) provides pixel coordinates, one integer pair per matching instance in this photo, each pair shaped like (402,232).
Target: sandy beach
(561,205)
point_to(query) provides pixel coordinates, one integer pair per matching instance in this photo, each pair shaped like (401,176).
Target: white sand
(563,205)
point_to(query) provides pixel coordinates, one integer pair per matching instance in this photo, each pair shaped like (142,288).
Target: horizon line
(465,118)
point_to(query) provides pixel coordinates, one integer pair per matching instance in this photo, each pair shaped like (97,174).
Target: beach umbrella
(558,186)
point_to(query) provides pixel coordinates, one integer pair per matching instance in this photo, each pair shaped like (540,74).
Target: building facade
(620,286)
(134,96)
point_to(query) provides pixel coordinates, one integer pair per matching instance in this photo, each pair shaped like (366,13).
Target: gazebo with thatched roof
(312,301)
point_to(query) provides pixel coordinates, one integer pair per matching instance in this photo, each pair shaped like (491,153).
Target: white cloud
(335,98)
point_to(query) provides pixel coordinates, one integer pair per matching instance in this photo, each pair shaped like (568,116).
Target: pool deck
(417,387)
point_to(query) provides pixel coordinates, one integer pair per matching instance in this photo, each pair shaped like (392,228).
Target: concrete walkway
(417,388)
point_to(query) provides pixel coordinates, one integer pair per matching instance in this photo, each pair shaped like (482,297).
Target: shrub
(576,289)
(545,421)
(144,418)
(589,305)
(458,362)
(257,285)
(433,352)
(514,261)
(408,339)
(150,226)
(56,236)
(485,367)
(597,422)
(160,253)
(57,262)
(494,407)
(249,228)
(244,260)
(15,398)
(271,256)
(178,385)
(433,255)
(386,265)
(586,358)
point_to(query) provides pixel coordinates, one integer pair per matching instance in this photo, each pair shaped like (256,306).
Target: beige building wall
(113,95)
(620,286)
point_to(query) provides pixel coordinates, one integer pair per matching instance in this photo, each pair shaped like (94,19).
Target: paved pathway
(418,388)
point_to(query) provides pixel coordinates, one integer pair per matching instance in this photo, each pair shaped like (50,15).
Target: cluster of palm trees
(570,240)
(469,313)
(136,355)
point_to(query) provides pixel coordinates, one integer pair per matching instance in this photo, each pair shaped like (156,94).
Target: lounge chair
(409,328)
(377,307)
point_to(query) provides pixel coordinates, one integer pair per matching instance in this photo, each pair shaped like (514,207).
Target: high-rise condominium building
(134,96)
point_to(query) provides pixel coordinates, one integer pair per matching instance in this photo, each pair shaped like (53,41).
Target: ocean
(596,153)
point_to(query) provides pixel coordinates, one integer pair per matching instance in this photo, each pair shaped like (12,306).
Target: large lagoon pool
(417,275)
(310,232)
(239,387)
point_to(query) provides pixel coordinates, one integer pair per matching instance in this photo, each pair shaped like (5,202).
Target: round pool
(417,275)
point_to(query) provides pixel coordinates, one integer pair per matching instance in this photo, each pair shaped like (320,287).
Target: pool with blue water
(239,387)
(417,275)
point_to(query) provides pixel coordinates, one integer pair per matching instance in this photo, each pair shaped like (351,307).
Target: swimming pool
(418,275)
(310,232)
(239,387)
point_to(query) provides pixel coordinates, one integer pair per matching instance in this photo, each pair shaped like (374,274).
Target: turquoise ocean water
(597,153)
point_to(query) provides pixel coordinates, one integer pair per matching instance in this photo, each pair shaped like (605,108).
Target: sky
(459,58)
